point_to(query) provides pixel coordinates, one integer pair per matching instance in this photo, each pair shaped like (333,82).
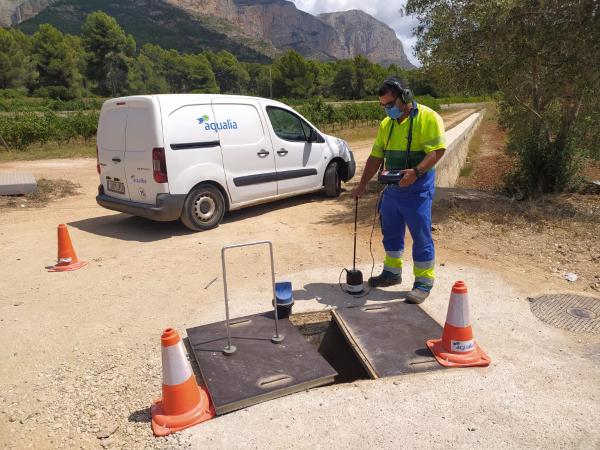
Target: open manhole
(320,330)
(578,313)
(319,348)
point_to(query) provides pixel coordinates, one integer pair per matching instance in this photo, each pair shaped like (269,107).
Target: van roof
(188,98)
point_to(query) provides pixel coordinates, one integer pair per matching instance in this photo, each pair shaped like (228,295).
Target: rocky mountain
(247,28)
(360,33)
(336,35)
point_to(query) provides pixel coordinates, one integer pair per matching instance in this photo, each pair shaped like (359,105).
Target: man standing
(410,139)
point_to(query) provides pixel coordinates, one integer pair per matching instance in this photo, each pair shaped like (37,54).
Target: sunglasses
(390,104)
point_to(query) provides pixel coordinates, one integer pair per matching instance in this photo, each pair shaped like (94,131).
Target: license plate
(115,186)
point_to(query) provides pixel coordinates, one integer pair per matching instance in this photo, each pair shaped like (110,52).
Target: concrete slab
(17,183)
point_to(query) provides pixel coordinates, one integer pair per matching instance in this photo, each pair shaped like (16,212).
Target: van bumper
(168,207)
(350,168)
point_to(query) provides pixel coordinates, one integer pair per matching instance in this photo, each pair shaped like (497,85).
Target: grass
(78,149)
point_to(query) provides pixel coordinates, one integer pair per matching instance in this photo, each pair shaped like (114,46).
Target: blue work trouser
(398,210)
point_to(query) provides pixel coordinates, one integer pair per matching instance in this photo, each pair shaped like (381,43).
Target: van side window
(287,126)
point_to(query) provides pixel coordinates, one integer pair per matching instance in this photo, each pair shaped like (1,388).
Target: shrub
(25,129)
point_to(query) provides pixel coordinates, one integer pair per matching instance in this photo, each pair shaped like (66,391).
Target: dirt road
(81,355)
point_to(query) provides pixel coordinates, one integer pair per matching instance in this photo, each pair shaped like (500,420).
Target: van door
(143,133)
(248,156)
(297,161)
(111,149)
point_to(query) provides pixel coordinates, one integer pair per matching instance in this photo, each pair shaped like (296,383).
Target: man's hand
(359,191)
(408,178)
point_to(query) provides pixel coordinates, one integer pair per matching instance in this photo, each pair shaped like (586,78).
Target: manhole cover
(571,312)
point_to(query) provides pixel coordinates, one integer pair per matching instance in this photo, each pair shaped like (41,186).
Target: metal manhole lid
(578,313)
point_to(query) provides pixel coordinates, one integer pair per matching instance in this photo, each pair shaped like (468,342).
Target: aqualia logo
(226,125)
(202,119)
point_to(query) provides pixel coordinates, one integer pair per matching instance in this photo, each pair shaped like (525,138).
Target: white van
(194,157)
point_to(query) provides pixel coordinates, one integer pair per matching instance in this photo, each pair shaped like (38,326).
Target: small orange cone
(183,403)
(67,259)
(457,348)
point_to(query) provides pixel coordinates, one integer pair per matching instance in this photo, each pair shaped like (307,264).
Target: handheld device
(389,176)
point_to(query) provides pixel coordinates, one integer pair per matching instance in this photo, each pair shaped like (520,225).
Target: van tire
(204,208)
(332,181)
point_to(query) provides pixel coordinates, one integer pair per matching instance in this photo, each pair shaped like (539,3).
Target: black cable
(362,294)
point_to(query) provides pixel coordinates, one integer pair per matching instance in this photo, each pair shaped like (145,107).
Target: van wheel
(203,208)
(332,181)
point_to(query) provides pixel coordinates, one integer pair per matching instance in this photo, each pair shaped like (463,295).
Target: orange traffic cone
(457,348)
(67,259)
(183,403)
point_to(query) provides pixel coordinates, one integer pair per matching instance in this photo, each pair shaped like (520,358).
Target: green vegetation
(22,130)
(541,56)
(69,76)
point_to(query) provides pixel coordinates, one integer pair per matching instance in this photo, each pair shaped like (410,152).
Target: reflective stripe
(176,367)
(392,262)
(424,273)
(395,270)
(424,264)
(397,254)
(458,311)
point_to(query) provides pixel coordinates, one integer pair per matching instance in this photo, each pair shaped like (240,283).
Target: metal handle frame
(276,338)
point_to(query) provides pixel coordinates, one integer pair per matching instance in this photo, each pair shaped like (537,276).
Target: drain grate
(578,313)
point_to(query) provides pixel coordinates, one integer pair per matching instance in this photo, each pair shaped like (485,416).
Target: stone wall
(457,149)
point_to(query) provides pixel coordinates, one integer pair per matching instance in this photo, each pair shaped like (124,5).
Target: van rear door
(143,134)
(111,149)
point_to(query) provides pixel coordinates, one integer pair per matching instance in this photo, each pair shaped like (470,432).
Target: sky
(385,10)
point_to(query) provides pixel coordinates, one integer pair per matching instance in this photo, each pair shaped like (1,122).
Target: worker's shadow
(332,295)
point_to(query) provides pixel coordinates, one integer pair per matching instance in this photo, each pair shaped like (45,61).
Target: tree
(182,72)
(109,53)
(325,74)
(16,67)
(344,82)
(365,82)
(199,75)
(293,76)
(542,55)
(146,78)
(231,76)
(56,63)
(259,82)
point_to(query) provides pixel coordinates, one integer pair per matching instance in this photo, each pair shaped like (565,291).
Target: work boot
(416,296)
(386,278)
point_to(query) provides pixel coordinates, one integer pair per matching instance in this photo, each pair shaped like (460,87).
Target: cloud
(384,10)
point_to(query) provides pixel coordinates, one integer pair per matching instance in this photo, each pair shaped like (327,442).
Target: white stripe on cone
(176,367)
(458,312)
(462,346)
